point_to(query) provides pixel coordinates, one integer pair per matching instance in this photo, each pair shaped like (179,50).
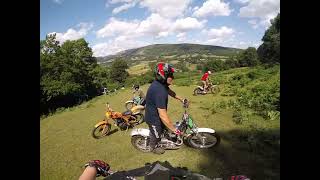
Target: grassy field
(138,69)
(66,142)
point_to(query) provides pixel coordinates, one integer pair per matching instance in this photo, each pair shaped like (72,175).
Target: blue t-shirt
(157,97)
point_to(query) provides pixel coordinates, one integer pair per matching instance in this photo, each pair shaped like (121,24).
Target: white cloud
(58,1)
(213,8)
(254,23)
(187,24)
(223,32)
(124,7)
(117,27)
(154,25)
(182,37)
(221,36)
(242,1)
(73,34)
(114,46)
(166,8)
(244,44)
(264,10)
(162,34)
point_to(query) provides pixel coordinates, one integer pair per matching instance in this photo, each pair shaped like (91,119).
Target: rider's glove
(177,132)
(101,167)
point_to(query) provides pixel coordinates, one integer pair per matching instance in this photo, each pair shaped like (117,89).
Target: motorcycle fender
(137,109)
(207,130)
(140,131)
(99,123)
(128,102)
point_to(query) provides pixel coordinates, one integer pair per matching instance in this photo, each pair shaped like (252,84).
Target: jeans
(156,130)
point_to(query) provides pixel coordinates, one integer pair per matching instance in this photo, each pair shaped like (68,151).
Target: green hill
(173,50)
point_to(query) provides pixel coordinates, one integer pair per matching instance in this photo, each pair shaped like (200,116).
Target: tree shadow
(255,154)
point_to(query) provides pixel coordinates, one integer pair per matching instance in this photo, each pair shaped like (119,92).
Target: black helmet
(163,71)
(136,86)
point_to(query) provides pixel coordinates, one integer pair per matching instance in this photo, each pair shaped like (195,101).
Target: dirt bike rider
(205,81)
(156,105)
(139,95)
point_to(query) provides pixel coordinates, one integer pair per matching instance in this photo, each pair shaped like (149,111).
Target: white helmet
(209,72)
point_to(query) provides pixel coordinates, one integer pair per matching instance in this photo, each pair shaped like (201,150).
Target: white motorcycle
(199,138)
(213,89)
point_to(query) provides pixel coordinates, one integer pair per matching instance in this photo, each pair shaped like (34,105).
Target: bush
(249,57)
(258,90)
(215,65)
(182,82)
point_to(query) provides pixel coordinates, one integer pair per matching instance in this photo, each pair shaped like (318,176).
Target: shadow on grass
(113,131)
(255,154)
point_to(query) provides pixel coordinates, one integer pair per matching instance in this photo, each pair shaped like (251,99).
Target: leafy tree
(249,57)
(231,63)
(65,72)
(269,50)
(118,71)
(215,65)
(100,75)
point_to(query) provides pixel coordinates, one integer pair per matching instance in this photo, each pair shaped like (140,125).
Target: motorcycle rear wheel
(197,91)
(209,140)
(101,131)
(141,143)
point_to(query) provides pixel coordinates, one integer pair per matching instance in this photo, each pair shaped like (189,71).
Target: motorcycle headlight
(108,114)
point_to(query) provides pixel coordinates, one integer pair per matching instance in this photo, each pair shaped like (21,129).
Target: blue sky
(111,26)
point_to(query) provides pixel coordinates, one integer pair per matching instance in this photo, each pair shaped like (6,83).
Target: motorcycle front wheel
(203,140)
(129,105)
(101,131)
(215,89)
(141,143)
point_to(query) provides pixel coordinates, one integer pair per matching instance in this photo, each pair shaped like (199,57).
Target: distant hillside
(170,51)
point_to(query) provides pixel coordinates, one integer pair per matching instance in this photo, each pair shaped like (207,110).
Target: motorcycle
(211,88)
(125,120)
(132,103)
(199,138)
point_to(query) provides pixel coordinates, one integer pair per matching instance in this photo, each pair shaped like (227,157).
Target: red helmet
(163,71)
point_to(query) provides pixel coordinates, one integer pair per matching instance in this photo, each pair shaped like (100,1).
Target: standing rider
(156,105)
